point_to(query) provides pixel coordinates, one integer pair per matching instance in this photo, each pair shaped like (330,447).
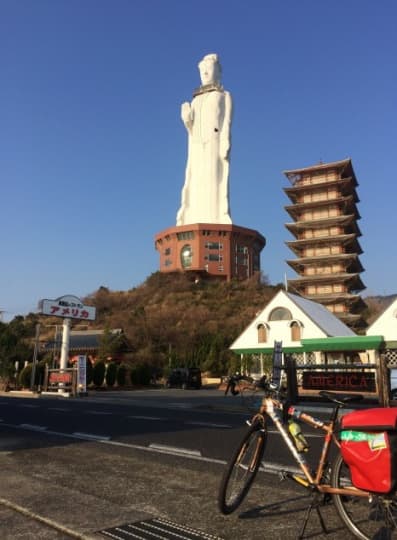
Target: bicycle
(366,515)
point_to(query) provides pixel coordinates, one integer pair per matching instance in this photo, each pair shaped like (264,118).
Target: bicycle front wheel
(242,469)
(366,518)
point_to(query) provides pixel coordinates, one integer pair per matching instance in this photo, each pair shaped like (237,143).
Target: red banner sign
(352,381)
(64,378)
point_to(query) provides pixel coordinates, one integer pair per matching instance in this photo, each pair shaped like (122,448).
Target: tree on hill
(170,317)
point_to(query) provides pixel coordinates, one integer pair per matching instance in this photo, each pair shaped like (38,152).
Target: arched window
(280,314)
(295,331)
(186,256)
(262,333)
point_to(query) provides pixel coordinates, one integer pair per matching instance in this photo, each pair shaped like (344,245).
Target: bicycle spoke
(373,518)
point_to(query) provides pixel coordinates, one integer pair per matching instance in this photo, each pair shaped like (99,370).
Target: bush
(25,376)
(141,374)
(111,372)
(98,374)
(121,375)
(89,372)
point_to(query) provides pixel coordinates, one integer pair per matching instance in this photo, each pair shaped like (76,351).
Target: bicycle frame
(270,408)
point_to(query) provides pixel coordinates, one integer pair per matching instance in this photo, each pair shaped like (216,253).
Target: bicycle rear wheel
(366,518)
(242,469)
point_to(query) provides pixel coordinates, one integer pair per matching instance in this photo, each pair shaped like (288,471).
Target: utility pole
(35,353)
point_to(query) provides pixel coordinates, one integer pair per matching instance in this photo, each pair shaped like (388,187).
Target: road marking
(208,424)
(180,405)
(141,417)
(174,450)
(27,406)
(33,427)
(98,412)
(90,436)
(61,409)
(268,467)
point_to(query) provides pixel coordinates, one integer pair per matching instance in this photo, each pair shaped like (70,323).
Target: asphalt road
(76,467)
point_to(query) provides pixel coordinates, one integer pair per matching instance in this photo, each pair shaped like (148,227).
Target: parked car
(184,378)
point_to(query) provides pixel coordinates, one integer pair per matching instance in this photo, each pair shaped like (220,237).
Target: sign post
(68,307)
(82,374)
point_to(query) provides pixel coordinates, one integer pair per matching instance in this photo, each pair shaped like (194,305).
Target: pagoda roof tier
(343,239)
(343,277)
(346,186)
(345,166)
(348,220)
(352,260)
(352,319)
(332,298)
(347,204)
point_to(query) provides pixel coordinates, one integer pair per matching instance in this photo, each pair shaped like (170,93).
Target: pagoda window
(324,289)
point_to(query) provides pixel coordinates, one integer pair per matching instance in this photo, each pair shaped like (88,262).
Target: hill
(171,319)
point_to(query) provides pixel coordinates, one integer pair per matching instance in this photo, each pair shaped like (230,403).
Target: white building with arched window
(290,319)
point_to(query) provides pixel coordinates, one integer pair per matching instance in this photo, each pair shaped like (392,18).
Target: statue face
(209,72)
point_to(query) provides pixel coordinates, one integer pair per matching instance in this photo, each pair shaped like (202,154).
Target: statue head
(210,69)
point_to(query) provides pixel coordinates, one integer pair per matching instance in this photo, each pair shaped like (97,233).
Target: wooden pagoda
(325,216)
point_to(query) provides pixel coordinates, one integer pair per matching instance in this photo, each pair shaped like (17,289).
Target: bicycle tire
(242,469)
(365,517)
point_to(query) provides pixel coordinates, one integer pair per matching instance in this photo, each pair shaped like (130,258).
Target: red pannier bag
(369,447)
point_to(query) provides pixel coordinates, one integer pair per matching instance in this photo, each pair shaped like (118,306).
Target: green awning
(348,343)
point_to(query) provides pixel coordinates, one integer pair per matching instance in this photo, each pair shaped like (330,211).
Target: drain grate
(158,528)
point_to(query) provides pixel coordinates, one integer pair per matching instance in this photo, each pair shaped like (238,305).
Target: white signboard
(82,373)
(67,307)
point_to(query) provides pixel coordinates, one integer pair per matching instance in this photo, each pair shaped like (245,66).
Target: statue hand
(185,112)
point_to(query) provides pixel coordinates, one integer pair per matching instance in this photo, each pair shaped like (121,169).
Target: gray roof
(81,339)
(321,316)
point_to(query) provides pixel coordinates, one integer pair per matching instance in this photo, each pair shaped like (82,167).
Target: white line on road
(90,436)
(60,409)
(269,467)
(27,406)
(98,412)
(180,405)
(141,417)
(174,450)
(209,424)
(33,427)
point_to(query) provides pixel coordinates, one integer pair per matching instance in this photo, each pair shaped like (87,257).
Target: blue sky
(92,148)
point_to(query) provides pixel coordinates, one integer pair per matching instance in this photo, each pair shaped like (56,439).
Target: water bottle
(297,436)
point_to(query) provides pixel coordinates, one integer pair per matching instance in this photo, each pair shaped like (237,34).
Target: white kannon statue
(205,194)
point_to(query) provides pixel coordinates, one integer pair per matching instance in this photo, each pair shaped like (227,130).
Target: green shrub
(111,372)
(25,376)
(98,373)
(89,372)
(121,375)
(141,374)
